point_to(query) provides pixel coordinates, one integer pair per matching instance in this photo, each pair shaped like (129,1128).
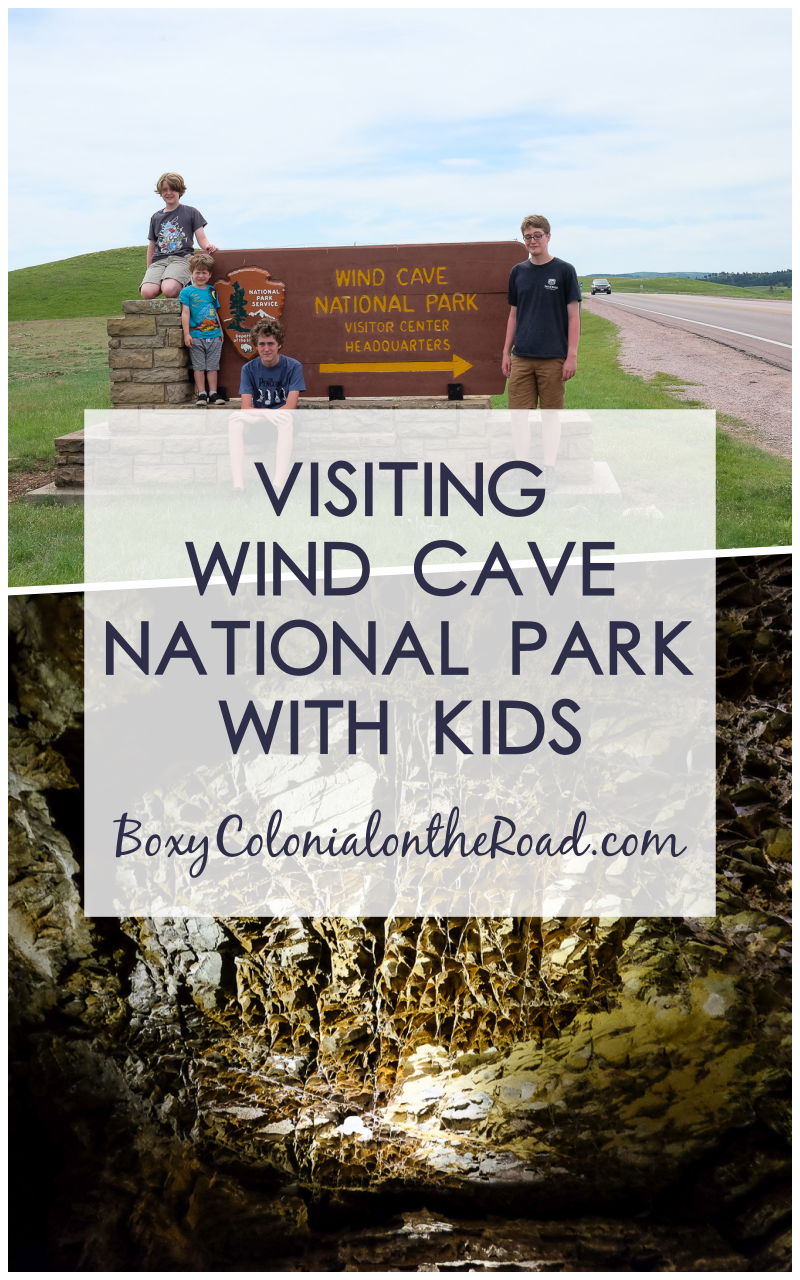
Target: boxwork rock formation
(327,1094)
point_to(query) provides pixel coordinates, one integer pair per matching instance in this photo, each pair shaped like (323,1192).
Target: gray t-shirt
(173,231)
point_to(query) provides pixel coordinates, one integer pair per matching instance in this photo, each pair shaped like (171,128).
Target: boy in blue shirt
(202,331)
(270,387)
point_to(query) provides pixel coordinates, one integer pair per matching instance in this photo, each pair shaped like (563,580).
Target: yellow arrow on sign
(456,366)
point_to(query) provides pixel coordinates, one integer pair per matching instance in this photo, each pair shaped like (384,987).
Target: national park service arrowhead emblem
(248,295)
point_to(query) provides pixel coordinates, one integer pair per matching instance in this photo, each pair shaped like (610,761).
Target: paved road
(761,327)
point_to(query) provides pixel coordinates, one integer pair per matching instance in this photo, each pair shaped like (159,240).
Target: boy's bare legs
(282,419)
(551,435)
(283,453)
(200,381)
(521,434)
(212,375)
(169,288)
(236,424)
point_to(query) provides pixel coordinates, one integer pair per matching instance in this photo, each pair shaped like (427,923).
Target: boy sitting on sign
(270,388)
(544,326)
(171,237)
(202,332)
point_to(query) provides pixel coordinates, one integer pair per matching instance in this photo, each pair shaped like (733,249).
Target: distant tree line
(745,278)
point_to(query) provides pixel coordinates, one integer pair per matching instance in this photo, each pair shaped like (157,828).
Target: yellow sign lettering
(342,277)
(394,305)
(377,271)
(458,302)
(439,277)
(319,303)
(444,301)
(416,276)
(471,302)
(400,272)
(428,278)
(363,276)
(453,364)
(335,305)
(431,298)
(406,306)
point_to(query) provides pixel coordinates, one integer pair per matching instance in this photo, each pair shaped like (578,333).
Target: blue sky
(652,139)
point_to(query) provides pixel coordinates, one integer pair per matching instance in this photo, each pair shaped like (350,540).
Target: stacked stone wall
(149,367)
(148,359)
(192,448)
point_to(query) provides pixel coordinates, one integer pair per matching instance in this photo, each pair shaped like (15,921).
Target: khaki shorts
(168,269)
(535,380)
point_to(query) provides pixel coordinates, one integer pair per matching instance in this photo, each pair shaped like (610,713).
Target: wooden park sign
(377,320)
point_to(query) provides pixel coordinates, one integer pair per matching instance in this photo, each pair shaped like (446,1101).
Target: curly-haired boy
(270,387)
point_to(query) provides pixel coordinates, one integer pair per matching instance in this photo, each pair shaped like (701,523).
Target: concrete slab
(602,485)
(49,493)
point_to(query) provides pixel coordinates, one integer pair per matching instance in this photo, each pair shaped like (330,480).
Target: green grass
(600,383)
(93,284)
(676,284)
(37,414)
(754,496)
(41,408)
(46,542)
(45,545)
(753,486)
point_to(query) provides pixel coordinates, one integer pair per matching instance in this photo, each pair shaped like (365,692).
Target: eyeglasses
(537,235)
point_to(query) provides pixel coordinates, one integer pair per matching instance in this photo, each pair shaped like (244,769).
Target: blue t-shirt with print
(202,304)
(270,387)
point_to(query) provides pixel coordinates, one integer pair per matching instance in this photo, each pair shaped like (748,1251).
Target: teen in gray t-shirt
(171,235)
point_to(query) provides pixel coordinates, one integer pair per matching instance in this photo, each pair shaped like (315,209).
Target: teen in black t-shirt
(542,334)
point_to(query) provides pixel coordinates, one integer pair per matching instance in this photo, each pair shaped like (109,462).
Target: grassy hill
(654,275)
(93,284)
(681,284)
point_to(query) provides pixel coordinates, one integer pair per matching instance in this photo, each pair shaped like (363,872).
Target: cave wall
(296,1093)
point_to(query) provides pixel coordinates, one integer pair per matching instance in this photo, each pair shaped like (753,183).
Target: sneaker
(202,398)
(217,397)
(236,495)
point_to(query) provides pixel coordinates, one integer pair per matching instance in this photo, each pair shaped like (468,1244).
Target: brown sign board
(377,320)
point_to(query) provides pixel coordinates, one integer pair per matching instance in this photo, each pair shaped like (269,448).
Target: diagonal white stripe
(632,557)
(690,320)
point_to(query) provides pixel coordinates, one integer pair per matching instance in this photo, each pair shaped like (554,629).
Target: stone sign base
(455,439)
(149,367)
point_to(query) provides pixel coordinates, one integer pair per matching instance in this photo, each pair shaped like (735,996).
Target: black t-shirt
(540,295)
(174,231)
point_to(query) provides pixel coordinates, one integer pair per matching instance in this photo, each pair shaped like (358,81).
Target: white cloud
(644,132)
